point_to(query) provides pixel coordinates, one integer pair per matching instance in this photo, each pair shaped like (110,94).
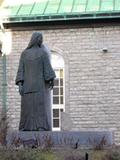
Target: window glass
(56,82)
(56,113)
(61,90)
(55,91)
(61,100)
(56,123)
(56,100)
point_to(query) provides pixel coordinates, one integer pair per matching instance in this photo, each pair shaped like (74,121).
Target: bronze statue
(35,78)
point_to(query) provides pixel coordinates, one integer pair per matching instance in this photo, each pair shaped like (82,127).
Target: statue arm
(50,83)
(21,89)
(20,72)
(20,76)
(48,71)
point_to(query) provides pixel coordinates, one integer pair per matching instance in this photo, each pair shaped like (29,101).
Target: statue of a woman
(35,78)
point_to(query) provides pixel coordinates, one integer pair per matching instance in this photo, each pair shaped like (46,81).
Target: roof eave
(65,17)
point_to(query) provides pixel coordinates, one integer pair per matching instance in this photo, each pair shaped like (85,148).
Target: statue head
(36,40)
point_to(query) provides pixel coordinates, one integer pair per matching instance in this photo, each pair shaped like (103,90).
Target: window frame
(58,106)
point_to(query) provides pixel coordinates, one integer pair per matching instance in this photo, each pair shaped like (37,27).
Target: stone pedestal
(73,139)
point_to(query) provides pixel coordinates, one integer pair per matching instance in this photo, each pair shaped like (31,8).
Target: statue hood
(36,40)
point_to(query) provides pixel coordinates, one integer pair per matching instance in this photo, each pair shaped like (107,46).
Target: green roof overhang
(57,10)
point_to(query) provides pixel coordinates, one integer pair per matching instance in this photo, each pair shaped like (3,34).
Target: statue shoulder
(45,55)
(22,56)
(23,52)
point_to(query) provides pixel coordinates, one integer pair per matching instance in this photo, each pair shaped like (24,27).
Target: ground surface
(59,154)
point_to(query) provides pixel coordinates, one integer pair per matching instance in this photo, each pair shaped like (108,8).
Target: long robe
(35,71)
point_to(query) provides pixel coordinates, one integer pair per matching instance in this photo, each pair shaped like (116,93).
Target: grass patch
(58,154)
(31,154)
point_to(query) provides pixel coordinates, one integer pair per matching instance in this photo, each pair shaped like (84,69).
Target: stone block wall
(92,77)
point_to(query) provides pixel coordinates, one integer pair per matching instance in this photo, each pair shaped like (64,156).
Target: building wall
(92,76)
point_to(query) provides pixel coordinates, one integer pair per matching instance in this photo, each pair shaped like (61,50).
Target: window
(58,88)
(58,92)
